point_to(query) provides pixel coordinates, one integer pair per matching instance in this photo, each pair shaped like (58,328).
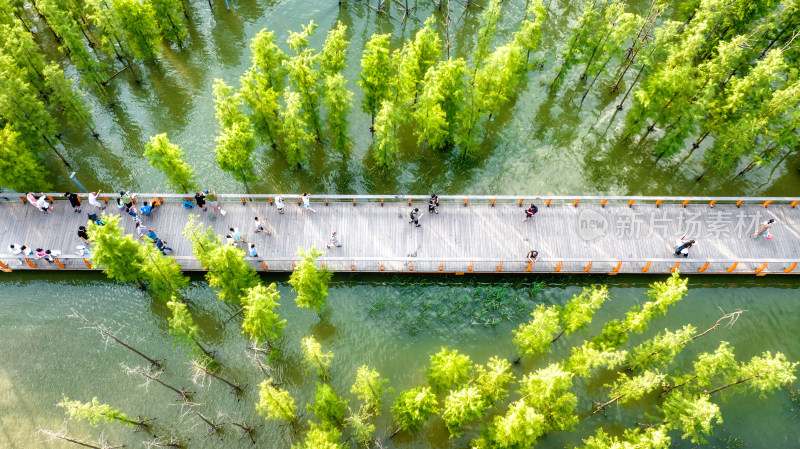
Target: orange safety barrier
(411,266)
(50,199)
(322,265)
(381,202)
(160,201)
(603,203)
(409,201)
(766,203)
(646,267)
(352,266)
(790,267)
(264,266)
(500,267)
(492,202)
(298,201)
(441,266)
(762,267)
(558,267)
(712,203)
(547,204)
(630,203)
(88,264)
(271,201)
(30,264)
(292,265)
(732,267)
(686,202)
(520,201)
(677,264)
(2,265)
(794,203)
(616,269)
(575,204)
(658,202)
(588,267)
(25,200)
(530,266)
(243,201)
(739,203)
(470,267)
(703,268)
(465,202)
(105,199)
(381,266)
(58,262)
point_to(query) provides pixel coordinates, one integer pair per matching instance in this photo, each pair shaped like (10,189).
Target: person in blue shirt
(162,245)
(152,234)
(145,208)
(253,250)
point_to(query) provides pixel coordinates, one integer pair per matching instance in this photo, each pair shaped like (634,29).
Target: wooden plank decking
(483,236)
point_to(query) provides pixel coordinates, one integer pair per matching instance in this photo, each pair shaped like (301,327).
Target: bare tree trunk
(106,333)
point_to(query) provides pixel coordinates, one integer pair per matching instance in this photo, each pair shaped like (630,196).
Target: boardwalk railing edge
(317,198)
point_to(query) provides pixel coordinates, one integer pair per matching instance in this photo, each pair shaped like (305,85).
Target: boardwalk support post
(739,203)
(500,267)
(761,268)
(766,203)
(685,203)
(88,264)
(603,203)
(630,203)
(658,203)
(530,266)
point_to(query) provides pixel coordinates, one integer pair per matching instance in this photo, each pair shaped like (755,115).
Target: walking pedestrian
(307,202)
(763,229)
(530,212)
(39,253)
(213,201)
(148,207)
(15,251)
(82,234)
(533,256)
(433,204)
(162,246)
(74,201)
(126,199)
(141,229)
(151,234)
(93,200)
(43,205)
(334,241)
(200,197)
(683,247)
(229,240)
(237,236)
(120,205)
(134,215)
(260,227)
(49,256)
(253,250)
(26,252)
(415,217)
(279,203)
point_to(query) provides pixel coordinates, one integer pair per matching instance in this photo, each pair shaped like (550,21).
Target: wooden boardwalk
(487,235)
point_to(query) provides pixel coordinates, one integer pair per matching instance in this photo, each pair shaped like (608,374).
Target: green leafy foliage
(321,437)
(462,406)
(376,73)
(230,274)
(164,275)
(20,169)
(234,150)
(94,412)
(449,370)
(309,281)
(114,251)
(168,159)
(579,310)
(204,241)
(534,337)
(334,50)
(338,101)
(387,142)
(660,350)
(170,14)
(328,407)
(370,388)
(296,138)
(693,415)
(653,438)
(316,359)
(490,17)
(261,321)
(413,408)
(493,379)
(275,403)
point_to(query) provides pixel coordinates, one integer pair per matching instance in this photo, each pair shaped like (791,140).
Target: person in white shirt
(279,203)
(307,202)
(15,250)
(93,200)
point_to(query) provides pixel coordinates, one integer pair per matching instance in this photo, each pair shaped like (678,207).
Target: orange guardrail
(790,267)
(675,267)
(558,267)
(732,267)
(646,267)
(703,268)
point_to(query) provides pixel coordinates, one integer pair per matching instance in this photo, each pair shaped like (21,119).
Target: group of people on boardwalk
(126,203)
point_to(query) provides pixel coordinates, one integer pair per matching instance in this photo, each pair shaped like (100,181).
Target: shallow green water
(542,143)
(46,355)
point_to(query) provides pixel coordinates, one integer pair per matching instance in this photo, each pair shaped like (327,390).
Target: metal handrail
(502,198)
